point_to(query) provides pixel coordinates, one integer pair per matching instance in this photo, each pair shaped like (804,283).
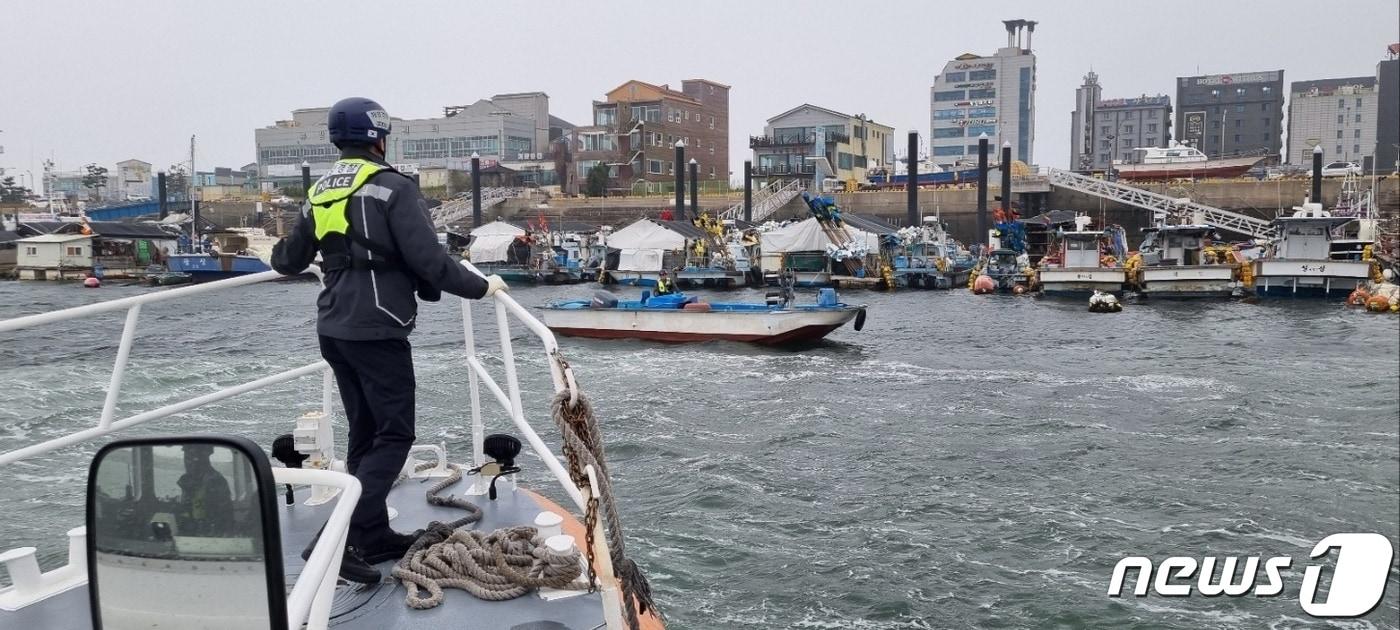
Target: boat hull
(1309,278)
(208,268)
(1081,281)
(678,326)
(1188,281)
(1231,167)
(517,274)
(915,278)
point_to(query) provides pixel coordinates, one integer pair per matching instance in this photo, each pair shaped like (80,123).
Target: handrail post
(109,406)
(508,358)
(325,432)
(474,386)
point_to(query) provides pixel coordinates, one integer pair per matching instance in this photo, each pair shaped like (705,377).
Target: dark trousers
(377,387)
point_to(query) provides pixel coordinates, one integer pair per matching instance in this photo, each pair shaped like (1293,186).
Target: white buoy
(1101,302)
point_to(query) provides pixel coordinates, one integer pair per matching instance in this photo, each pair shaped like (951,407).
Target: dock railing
(321,573)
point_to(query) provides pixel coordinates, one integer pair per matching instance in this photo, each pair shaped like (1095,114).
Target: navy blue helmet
(357,120)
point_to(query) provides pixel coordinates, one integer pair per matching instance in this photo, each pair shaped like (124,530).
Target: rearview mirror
(183,533)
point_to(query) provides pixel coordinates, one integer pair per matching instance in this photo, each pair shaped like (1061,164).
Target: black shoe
(390,547)
(353,568)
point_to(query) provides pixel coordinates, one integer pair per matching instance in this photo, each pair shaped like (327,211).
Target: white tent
(807,236)
(642,245)
(491,242)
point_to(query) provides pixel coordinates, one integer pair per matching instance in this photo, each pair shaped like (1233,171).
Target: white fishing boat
(681,318)
(1182,161)
(928,257)
(646,247)
(1176,263)
(1077,266)
(1299,261)
(224,552)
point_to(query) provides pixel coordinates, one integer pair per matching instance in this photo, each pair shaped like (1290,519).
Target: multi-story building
(507,128)
(1337,114)
(66,185)
(133,180)
(635,129)
(850,144)
(1227,115)
(1107,131)
(1388,111)
(993,95)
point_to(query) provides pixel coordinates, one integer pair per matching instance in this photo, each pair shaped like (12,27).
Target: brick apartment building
(634,133)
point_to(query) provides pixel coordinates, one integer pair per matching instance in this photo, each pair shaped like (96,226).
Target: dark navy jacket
(363,304)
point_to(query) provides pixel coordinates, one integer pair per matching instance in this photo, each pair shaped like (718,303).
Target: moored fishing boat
(1177,261)
(1079,264)
(1299,262)
(680,318)
(1001,271)
(224,254)
(927,257)
(533,252)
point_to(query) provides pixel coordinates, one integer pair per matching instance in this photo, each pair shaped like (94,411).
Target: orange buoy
(1378,304)
(1358,297)
(984,284)
(1019,289)
(91,282)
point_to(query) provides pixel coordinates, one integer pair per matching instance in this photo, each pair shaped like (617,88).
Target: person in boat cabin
(664,285)
(378,247)
(206,505)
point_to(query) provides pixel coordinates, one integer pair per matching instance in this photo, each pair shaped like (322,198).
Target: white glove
(494,283)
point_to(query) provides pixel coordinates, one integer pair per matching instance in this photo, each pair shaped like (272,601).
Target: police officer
(378,248)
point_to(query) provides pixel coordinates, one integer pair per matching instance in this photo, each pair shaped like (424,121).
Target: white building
(506,128)
(851,144)
(1338,114)
(54,256)
(993,95)
(132,180)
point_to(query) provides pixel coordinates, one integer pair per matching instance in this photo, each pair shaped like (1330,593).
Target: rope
(473,512)
(494,566)
(583,447)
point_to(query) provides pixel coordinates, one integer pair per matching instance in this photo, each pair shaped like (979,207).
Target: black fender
(860,320)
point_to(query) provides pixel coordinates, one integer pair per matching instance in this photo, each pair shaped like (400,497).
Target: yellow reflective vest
(330,196)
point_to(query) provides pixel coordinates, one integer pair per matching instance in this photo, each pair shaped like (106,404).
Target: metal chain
(572,415)
(582,447)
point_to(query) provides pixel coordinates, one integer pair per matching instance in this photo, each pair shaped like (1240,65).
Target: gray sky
(107,81)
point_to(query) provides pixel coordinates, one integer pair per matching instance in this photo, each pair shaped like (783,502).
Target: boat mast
(189,193)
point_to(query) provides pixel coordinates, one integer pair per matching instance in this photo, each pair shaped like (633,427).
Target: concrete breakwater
(957,206)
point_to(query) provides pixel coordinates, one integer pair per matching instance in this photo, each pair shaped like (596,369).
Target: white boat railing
(320,573)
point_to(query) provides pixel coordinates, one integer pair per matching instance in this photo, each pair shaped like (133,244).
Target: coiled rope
(495,566)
